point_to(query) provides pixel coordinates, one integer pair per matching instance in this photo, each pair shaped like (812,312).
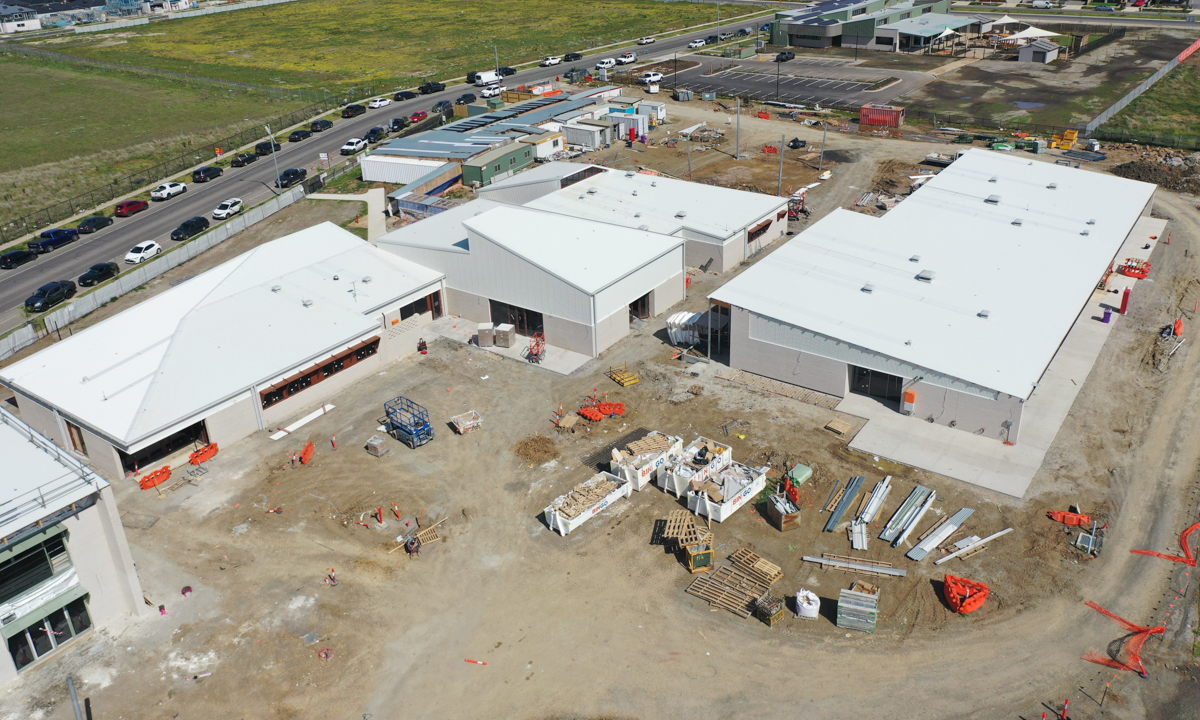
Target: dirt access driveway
(597,624)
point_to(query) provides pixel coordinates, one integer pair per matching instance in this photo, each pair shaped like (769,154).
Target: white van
(1043,5)
(487,77)
(606,64)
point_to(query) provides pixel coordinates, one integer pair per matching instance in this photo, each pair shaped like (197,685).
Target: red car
(418,116)
(130,207)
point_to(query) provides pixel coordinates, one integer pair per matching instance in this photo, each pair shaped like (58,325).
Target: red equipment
(963,595)
(1132,644)
(1135,268)
(307,454)
(792,492)
(1188,557)
(537,348)
(158,477)
(203,455)
(1069,519)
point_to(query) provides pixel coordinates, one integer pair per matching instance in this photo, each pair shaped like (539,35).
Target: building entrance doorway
(640,309)
(527,322)
(195,436)
(876,384)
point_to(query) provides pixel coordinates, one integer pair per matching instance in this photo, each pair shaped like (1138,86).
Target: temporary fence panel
(1146,84)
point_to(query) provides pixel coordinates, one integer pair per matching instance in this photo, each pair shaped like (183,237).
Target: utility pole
(782,140)
(737,150)
(271,139)
(718,21)
(689,144)
(74,697)
(777,63)
(821,162)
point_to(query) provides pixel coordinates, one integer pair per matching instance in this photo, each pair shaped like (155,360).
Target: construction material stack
(646,458)
(769,609)
(720,497)
(569,511)
(701,460)
(858,608)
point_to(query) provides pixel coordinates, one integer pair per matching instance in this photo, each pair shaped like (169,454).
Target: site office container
(881,115)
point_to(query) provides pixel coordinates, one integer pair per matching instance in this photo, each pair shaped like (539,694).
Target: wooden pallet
(841,427)
(693,536)
(678,523)
(756,567)
(860,561)
(775,387)
(837,498)
(721,596)
(650,444)
(622,375)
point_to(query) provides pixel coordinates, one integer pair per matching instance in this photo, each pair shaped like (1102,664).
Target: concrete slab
(376,200)
(1007,469)
(558,360)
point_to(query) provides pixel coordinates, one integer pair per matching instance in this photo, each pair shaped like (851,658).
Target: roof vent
(580,197)
(1086,232)
(1052,186)
(643,227)
(926,276)
(306,303)
(628,174)
(276,288)
(915,258)
(681,214)
(1092,221)
(992,179)
(653,183)
(335,277)
(993,200)
(1017,222)
(637,214)
(985,314)
(591,191)
(366,279)
(635,193)
(868,288)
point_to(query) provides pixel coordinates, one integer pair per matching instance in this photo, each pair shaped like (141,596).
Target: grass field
(1171,107)
(311,43)
(67,130)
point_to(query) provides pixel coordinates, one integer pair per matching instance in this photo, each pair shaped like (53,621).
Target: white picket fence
(225,8)
(115,24)
(142,274)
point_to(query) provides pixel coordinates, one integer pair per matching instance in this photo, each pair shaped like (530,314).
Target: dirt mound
(1178,179)
(536,449)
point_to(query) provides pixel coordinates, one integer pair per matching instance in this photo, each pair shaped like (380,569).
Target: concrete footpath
(376,200)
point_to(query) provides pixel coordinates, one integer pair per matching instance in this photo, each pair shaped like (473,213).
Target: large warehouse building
(952,305)
(722,227)
(235,349)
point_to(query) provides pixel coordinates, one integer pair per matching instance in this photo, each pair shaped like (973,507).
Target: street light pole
(271,139)
(777,80)
(821,162)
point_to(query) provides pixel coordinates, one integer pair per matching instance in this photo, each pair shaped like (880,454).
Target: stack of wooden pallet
(649,444)
(755,566)
(584,496)
(729,589)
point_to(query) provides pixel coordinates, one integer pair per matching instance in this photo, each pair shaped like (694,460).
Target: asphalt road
(253,184)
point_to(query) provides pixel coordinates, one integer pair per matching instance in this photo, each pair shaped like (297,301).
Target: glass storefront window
(78,613)
(18,647)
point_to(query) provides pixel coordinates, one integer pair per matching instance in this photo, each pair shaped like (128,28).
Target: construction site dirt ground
(598,623)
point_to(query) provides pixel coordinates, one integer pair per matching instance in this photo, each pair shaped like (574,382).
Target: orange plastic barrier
(591,413)
(203,455)
(1069,518)
(307,454)
(764,116)
(1135,268)
(963,595)
(770,149)
(158,477)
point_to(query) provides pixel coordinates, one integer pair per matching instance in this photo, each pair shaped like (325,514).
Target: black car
(10,260)
(290,177)
(205,174)
(785,56)
(243,160)
(465,99)
(572,57)
(442,106)
(374,135)
(471,77)
(431,87)
(404,95)
(53,239)
(353,111)
(49,295)
(266,148)
(189,227)
(505,71)
(97,274)
(298,135)
(399,124)
(320,125)
(92,224)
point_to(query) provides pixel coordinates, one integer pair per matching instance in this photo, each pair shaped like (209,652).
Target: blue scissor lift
(408,421)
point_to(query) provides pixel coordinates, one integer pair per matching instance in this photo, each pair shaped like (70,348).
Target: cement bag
(808,604)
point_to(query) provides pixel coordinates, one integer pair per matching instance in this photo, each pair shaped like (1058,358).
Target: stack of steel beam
(843,505)
(937,537)
(906,513)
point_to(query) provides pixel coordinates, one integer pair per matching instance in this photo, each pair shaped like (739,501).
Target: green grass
(67,130)
(1172,106)
(315,43)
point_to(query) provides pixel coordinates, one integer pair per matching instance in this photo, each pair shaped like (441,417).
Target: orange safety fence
(1188,557)
(307,454)
(963,595)
(203,455)
(1131,644)
(1069,518)
(158,477)
(764,116)
(770,149)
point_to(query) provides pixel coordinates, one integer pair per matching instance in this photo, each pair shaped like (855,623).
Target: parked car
(505,71)
(627,58)
(228,209)
(379,102)
(550,60)
(353,111)
(1106,8)
(743,32)
(299,135)
(142,253)
(766,27)
(267,147)
(431,87)
(726,35)
(290,177)
(207,173)
(168,190)
(49,295)
(94,223)
(399,124)
(465,99)
(650,78)
(606,63)
(645,40)
(97,274)
(320,125)
(418,116)
(697,43)
(243,160)
(404,95)
(785,56)
(442,106)
(376,134)
(712,40)
(53,239)
(130,207)
(492,91)
(10,260)
(189,227)
(353,145)
(573,57)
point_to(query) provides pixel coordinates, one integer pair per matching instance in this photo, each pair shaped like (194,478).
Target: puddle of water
(1027,105)
(966,97)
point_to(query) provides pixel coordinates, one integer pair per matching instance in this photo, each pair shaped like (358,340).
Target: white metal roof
(586,254)
(443,231)
(636,200)
(539,173)
(1032,278)
(39,477)
(200,343)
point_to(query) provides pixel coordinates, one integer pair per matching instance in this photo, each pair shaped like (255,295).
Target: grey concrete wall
(696,253)
(784,364)
(100,554)
(100,453)
(234,422)
(468,305)
(611,329)
(572,336)
(667,294)
(41,418)
(969,413)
